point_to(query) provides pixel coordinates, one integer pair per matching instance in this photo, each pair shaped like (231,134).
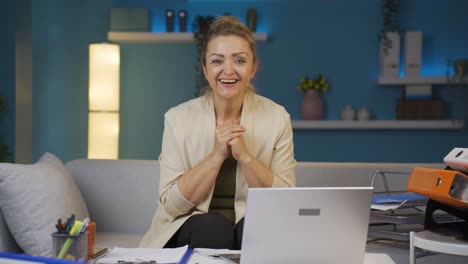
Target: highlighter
(74,231)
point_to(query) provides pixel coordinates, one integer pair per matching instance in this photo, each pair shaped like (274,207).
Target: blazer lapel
(209,125)
(247,120)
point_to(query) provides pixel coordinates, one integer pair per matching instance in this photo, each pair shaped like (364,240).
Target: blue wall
(337,38)
(7,72)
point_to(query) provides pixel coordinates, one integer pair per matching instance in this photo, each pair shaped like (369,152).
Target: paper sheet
(204,256)
(208,255)
(166,255)
(377,258)
(390,205)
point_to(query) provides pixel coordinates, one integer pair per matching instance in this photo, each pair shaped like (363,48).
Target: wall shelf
(162,37)
(431,80)
(378,124)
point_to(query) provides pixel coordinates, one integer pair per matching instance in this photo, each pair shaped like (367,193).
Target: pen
(100,252)
(186,256)
(84,226)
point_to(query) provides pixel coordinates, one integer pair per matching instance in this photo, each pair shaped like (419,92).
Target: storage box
(424,109)
(129,19)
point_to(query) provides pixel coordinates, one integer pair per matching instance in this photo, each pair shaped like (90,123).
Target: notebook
(306,225)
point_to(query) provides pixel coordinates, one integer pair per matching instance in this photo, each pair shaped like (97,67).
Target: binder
(446,186)
(7,257)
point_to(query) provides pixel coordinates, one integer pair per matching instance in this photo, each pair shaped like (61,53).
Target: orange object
(91,237)
(446,186)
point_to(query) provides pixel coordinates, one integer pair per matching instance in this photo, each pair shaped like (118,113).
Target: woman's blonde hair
(228,25)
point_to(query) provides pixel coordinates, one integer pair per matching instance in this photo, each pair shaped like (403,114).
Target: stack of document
(395,200)
(200,255)
(158,255)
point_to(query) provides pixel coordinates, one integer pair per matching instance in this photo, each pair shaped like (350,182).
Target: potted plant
(390,24)
(312,104)
(200,28)
(319,84)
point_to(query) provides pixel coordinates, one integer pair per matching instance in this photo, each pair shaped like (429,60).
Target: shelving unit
(163,37)
(378,124)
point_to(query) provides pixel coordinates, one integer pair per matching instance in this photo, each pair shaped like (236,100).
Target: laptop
(306,225)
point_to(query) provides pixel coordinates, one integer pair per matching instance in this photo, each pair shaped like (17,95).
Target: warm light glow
(104,79)
(104,101)
(103,136)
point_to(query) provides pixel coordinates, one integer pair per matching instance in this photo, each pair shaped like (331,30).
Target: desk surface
(370,258)
(398,255)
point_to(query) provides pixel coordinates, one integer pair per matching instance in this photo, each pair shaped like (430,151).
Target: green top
(224,191)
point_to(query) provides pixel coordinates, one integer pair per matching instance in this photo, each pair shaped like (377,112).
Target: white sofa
(121,194)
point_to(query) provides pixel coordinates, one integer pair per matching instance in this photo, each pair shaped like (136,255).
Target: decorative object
(348,113)
(460,70)
(104,101)
(129,19)
(413,53)
(182,21)
(390,56)
(389,38)
(169,20)
(200,27)
(312,103)
(201,24)
(252,19)
(418,91)
(33,197)
(363,114)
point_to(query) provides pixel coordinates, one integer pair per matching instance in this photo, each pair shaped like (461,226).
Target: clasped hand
(229,140)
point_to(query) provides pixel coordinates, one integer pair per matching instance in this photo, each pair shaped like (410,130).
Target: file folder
(7,257)
(446,186)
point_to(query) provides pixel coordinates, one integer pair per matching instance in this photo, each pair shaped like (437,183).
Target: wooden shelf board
(163,37)
(433,80)
(378,124)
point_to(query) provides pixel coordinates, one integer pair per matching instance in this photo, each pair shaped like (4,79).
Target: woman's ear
(204,71)
(254,70)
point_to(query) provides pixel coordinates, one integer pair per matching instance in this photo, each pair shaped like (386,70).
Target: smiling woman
(229,66)
(217,146)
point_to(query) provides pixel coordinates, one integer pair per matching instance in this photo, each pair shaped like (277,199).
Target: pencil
(99,253)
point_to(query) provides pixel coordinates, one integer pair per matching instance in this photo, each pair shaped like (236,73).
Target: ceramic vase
(348,113)
(312,105)
(363,114)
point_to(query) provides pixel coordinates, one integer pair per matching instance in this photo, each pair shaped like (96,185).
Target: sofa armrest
(349,174)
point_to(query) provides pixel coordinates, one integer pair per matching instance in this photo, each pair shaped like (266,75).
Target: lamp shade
(103,136)
(104,101)
(104,78)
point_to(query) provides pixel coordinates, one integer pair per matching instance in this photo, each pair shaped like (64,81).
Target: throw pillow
(33,197)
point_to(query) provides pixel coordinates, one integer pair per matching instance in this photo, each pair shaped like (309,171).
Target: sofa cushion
(121,194)
(33,197)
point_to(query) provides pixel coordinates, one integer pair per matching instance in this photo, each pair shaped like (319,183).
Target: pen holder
(70,247)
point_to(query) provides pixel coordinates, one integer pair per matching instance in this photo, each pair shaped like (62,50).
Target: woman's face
(229,66)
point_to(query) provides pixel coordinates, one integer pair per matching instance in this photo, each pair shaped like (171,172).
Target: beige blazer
(189,133)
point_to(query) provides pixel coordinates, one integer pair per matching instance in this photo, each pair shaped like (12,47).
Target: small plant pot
(312,105)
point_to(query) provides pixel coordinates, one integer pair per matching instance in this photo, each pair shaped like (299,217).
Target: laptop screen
(306,225)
